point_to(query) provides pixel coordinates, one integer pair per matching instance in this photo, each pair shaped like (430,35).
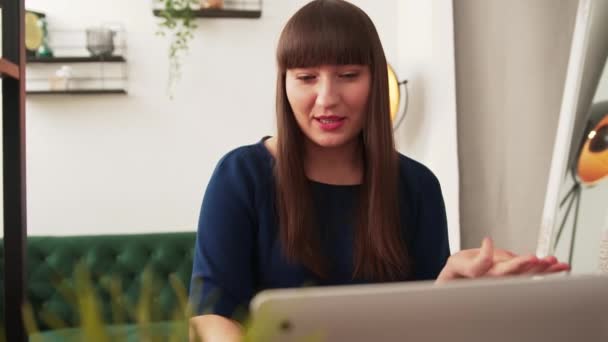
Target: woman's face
(329,101)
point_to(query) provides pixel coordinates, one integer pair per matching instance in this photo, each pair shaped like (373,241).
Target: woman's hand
(489,262)
(214,328)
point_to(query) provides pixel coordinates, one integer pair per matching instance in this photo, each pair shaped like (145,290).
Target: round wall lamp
(589,167)
(592,165)
(398,97)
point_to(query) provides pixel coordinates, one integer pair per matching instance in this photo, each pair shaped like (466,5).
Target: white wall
(426,59)
(602,88)
(116,164)
(140,163)
(511,61)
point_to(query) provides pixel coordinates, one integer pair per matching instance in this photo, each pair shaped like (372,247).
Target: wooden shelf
(77,92)
(222,13)
(9,69)
(83,59)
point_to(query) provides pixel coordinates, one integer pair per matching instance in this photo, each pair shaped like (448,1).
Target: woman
(329,200)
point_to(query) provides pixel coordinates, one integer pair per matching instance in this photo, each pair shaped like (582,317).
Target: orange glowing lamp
(589,168)
(592,165)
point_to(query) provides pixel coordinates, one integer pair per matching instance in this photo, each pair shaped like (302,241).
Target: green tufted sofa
(51,262)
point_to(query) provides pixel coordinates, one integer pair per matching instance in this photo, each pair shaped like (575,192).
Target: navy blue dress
(238,251)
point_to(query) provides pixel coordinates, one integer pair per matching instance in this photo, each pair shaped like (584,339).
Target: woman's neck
(341,165)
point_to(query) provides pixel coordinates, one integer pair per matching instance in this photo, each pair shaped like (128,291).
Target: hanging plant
(178,21)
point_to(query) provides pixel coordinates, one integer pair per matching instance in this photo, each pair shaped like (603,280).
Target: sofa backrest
(109,259)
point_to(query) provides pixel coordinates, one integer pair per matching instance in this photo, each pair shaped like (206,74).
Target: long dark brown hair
(337,32)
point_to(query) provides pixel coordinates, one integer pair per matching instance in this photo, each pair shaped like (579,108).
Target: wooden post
(13,135)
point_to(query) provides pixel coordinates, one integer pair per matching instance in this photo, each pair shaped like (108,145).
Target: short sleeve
(222,274)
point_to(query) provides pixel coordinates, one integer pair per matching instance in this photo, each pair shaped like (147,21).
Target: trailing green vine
(177,19)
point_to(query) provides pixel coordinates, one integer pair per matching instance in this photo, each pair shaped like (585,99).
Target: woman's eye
(305,77)
(349,75)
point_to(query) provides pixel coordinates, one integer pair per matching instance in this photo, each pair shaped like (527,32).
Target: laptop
(555,308)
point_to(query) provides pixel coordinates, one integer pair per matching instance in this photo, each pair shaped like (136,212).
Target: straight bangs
(323,33)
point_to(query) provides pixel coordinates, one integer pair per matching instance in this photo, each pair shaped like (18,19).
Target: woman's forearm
(214,328)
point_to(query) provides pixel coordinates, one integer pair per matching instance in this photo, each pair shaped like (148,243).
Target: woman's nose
(327,92)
